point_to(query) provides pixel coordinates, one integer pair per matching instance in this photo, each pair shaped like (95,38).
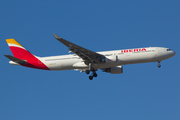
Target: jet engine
(112,58)
(114,70)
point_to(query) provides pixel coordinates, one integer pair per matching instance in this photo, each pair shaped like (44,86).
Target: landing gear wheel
(90,77)
(87,71)
(159,66)
(94,74)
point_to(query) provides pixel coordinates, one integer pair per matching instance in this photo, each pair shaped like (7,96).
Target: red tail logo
(20,52)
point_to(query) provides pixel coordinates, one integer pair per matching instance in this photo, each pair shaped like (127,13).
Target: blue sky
(142,92)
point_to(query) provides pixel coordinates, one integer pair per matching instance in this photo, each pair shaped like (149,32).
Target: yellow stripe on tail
(13,41)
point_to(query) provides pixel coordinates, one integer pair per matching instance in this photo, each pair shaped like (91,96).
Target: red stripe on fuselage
(32,61)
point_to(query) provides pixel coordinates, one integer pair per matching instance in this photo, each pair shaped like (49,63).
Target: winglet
(16,60)
(56,36)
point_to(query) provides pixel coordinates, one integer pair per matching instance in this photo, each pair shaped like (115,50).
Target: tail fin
(18,50)
(23,57)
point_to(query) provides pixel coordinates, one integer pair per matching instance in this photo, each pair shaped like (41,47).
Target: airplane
(86,60)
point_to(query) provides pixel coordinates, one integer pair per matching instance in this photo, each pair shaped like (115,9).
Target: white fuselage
(116,58)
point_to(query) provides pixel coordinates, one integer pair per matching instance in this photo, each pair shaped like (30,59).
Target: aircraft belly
(80,65)
(107,65)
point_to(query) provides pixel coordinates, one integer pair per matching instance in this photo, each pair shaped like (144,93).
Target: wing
(87,55)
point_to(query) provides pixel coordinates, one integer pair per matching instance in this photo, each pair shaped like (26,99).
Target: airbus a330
(86,60)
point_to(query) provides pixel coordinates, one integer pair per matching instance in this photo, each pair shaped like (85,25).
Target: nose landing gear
(159,64)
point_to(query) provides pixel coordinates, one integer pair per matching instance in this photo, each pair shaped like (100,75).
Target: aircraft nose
(174,53)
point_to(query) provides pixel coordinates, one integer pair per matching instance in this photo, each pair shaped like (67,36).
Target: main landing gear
(159,64)
(94,74)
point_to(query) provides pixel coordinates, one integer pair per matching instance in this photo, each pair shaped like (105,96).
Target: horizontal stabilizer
(14,59)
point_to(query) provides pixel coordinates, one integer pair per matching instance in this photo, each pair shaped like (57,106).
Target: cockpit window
(168,49)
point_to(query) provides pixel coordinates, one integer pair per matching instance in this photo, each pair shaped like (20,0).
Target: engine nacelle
(112,58)
(114,70)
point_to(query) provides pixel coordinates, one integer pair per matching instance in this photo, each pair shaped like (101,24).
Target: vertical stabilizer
(18,50)
(23,57)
